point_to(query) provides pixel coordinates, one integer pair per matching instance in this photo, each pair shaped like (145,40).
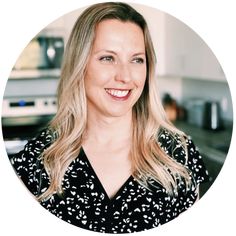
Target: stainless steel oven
(29,103)
(23,118)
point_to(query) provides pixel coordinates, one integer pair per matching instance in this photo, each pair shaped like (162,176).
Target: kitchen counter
(213,147)
(212,144)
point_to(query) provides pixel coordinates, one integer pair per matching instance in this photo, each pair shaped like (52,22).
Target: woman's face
(116,70)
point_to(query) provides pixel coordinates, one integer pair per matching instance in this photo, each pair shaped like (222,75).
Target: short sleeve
(195,163)
(28,163)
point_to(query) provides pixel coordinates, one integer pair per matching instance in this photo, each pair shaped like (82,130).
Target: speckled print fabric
(85,203)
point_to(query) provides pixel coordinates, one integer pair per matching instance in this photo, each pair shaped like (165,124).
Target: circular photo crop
(117,117)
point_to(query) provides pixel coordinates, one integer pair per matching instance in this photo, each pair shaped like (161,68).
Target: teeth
(117,93)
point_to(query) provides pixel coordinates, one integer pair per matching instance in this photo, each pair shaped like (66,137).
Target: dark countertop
(211,144)
(213,147)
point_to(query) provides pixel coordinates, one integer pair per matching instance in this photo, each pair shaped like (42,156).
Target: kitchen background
(191,82)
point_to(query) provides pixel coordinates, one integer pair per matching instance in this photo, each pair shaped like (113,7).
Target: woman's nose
(123,73)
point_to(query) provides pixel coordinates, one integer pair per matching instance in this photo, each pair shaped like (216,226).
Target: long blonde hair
(68,126)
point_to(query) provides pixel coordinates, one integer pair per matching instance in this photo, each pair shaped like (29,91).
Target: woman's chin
(118,113)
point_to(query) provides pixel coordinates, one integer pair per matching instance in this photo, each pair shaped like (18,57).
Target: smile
(117,93)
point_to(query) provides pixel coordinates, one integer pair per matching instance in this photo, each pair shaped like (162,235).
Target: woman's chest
(85,203)
(134,208)
(111,170)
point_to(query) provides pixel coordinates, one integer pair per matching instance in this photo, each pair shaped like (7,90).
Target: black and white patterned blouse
(85,203)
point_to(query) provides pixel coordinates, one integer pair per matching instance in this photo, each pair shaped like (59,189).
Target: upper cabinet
(187,55)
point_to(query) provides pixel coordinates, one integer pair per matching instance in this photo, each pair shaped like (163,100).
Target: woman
(110,161)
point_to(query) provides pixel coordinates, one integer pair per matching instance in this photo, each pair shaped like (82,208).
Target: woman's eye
(106,58)
(138,60)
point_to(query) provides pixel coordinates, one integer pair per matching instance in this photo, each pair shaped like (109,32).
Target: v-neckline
(100,185)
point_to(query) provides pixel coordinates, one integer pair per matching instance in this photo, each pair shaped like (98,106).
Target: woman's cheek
(103,74)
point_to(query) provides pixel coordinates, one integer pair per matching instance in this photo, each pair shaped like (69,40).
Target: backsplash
(183,89)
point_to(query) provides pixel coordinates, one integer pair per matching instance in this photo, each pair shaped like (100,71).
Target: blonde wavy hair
(69,124)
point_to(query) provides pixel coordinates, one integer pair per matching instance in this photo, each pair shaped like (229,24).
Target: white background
(214,21)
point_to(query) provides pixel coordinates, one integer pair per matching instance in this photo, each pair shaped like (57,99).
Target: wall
(171,85)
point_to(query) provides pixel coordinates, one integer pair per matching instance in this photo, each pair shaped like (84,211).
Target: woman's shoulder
(182,149)
(36,145)
(41,141)
(178,146)
(173,144)
(28,163)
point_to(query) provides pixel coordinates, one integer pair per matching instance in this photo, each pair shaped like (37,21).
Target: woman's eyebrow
(115,53)
(139,54)
(106,51)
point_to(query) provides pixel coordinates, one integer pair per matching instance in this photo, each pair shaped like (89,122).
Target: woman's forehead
(114,34)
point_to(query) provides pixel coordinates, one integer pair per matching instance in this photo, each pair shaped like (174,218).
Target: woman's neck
(109,130)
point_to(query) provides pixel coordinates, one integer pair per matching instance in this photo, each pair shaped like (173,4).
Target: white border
(213,21)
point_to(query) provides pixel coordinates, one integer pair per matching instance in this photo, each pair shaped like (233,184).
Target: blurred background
(191,82)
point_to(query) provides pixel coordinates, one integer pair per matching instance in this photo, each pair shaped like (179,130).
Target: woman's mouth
(119,94)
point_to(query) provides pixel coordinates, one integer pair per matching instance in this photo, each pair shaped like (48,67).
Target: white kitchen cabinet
(211,68)
(187,55)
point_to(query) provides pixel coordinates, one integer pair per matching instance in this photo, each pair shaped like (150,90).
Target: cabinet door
(211,68)
(176,49)
(187,55)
